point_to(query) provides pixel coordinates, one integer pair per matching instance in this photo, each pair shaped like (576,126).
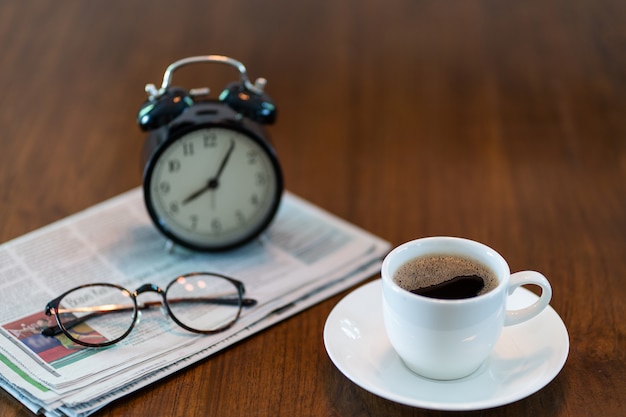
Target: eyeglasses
(99,315)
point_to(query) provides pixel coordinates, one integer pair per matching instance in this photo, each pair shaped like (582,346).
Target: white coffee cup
(450,339)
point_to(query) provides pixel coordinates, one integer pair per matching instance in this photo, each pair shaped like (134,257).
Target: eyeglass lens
(102,314)
(97,315)
(205,303)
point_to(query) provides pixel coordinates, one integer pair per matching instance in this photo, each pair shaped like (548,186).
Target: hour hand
(197,193)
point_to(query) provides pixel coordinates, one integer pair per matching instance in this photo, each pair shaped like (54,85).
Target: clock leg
(169,246)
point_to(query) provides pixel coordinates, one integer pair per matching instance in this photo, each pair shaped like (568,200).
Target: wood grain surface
(499,121)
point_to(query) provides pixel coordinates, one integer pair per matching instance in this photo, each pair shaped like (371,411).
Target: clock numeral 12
(210,140)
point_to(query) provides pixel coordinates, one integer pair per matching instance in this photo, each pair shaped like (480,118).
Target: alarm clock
(211,179)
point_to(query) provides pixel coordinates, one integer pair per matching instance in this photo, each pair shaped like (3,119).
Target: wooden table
(503,122)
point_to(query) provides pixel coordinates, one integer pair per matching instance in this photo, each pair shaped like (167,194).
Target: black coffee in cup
(447,277)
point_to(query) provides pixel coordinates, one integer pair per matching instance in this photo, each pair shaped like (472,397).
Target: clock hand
(198,193)
(213,183)
(215,179)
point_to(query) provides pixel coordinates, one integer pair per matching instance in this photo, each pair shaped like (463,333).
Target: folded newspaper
(305,256)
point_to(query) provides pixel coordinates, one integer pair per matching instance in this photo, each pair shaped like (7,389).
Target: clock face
(213,188)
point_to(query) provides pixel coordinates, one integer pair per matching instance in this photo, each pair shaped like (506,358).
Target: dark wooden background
(500,121)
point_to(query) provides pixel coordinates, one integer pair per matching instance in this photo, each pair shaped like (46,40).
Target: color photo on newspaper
(57,351)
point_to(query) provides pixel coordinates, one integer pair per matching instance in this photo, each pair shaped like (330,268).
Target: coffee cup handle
(528,278)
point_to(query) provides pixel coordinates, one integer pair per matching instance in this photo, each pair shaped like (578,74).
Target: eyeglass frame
(52,307)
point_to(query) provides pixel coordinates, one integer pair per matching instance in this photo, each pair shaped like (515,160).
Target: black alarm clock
(211,180)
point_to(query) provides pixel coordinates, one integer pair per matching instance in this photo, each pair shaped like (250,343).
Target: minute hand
(213,183)
(215,180)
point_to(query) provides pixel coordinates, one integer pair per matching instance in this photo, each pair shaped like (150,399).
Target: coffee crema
(446,277)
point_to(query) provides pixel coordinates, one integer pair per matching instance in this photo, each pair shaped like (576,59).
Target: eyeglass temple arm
(245,302)
(56,329)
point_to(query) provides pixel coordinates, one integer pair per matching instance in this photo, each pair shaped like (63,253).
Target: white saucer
(526,358)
